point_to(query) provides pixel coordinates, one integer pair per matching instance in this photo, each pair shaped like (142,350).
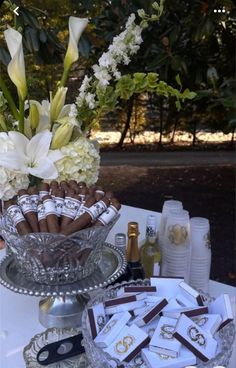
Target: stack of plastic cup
(200,265)
(176,245)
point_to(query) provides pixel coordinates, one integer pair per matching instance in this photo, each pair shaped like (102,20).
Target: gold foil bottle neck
(132,253)
(133,229)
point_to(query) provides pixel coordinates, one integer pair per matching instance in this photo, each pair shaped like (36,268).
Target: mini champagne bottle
(150,253)
(134,268)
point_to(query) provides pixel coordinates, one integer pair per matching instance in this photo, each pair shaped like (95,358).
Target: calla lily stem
(9,98)
(64,77)
(21,115)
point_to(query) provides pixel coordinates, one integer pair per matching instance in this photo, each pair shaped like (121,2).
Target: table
(19,313)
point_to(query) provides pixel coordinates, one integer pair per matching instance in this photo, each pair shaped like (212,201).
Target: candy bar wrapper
(149,290)
(163,341)
(150,313)
(191,294)
(97,318)
(123,300)
(125,307)
(223,307)
(154,360)
(208,322)
(189,312)
(111,329)
(128,344)
(194,338)
(167,287)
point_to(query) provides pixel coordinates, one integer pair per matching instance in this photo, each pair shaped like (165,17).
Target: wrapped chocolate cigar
(99,193)
(70,208)
(43,190)
(17,218)
(34,197)
(58,197)
(107,216)
(82,193)
(82,184)
(53,186)
(43,227)
(25,204)
(83,221)
(51,214)
(64,186)
(109,194)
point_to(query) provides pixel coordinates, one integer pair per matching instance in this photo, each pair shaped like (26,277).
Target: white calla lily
(76,28)
(32,156)
(16,67)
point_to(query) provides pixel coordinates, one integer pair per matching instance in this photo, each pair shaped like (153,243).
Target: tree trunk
(232,137)
(161,121)
(194,132)
(127,123)
(174,131)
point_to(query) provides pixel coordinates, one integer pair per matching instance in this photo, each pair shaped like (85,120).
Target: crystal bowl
(55,259)
(99,359)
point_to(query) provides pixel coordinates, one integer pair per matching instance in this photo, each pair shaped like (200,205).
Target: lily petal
(76,28)
(16,67)
(44,168)
(20,142)
(10,160)
(55,155)
(38,146)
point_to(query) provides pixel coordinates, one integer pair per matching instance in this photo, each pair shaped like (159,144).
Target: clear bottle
(150,253)
(134,268)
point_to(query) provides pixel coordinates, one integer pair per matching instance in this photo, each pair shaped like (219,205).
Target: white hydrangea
(10,181)
(81,162)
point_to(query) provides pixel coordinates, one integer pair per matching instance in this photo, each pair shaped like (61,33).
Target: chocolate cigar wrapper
(69,210)
(24,201)
(59,200)
(42,218)
(51,215)
(81,222)
(98,208)
(107,216)
(43,190)
(17,218)
(34,197)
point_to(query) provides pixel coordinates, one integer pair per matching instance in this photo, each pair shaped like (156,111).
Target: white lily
(32,156)
(76,28)
(16,67)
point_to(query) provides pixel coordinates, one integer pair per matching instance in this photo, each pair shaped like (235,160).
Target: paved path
(168,158)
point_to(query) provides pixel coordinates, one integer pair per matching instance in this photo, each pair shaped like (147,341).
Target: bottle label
(25,204)
(150,232)
(156,269)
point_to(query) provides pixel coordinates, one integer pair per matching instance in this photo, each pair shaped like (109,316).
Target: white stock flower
(80,162)
(76,28)
(32,156)
(10,181)
(16,67)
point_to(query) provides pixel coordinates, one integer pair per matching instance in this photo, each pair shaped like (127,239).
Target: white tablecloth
(19,313)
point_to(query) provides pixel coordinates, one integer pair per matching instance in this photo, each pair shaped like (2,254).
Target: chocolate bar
(150,313)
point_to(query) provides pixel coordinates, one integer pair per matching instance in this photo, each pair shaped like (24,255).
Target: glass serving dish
(55,259)
(99,359)
(47,337)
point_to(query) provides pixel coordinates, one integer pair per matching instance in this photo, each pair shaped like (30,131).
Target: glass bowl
(55,259)
(47,337)
(99,359)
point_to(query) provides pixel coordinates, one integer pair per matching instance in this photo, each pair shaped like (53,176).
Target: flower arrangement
(48,140)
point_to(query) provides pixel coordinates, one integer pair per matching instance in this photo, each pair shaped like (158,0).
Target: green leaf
(177,78)
(4,56)
(125,87)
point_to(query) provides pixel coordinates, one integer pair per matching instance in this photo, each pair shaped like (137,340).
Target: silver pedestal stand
(62,305)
